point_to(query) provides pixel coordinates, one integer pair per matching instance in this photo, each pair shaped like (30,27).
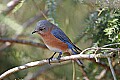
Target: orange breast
(51,41)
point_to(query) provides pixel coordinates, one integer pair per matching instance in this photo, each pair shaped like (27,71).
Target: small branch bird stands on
(56,40)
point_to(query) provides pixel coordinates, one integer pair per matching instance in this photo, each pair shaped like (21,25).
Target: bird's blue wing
(58,33)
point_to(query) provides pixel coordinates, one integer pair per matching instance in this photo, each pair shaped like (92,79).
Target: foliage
(104,26)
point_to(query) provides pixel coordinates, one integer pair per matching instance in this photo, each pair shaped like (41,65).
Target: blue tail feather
(72,46)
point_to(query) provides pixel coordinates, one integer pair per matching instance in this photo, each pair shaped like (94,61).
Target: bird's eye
(40,29)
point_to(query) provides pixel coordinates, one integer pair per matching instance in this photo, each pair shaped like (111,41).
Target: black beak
(34,32)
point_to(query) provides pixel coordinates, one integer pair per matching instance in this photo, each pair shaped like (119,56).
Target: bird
(56,40)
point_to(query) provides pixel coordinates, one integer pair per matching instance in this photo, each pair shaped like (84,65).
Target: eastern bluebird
(55,39)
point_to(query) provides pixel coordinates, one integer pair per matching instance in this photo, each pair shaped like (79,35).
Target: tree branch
(43,62)
(11,5)
(23,42)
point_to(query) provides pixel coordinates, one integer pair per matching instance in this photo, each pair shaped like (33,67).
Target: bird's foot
(49,59)
(59,58)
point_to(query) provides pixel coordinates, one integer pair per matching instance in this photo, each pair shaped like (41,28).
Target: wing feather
(58,33)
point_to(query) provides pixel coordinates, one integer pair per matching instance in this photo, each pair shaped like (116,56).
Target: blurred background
(88,23)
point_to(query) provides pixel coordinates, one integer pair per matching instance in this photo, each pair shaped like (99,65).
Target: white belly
(54,49)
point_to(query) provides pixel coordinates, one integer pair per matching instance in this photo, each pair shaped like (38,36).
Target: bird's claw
(49,59)
(59,58)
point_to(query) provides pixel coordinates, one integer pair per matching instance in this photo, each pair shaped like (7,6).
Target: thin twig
(101,75)
(74,71)
(111,67)
(111,44)
(109,61)
(23,42)
(100,48)
(39,9)
(85,77)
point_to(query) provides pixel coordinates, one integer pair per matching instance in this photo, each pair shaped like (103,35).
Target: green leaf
(108,31)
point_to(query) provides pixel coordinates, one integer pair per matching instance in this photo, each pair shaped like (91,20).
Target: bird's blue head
(42,27)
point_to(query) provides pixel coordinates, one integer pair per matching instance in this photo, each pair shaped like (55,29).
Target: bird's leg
(59,56)
(51,57)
